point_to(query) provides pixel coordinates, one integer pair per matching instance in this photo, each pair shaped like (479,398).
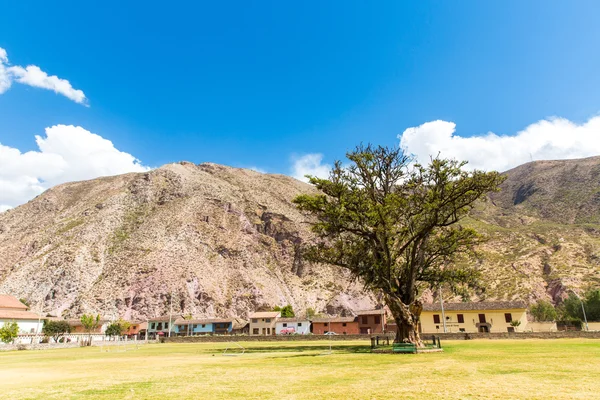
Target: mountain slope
(218,241)
(221,241)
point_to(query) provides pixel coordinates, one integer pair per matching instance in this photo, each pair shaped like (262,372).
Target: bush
(9,332)
(543,311)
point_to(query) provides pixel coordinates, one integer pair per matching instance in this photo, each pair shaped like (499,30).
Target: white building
(12,310)
(289,326)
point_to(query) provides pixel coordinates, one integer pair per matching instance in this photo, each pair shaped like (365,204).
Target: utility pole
(587,328)
(443,315)
(170,313)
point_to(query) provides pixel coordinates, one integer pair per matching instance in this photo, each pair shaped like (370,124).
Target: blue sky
(255,84)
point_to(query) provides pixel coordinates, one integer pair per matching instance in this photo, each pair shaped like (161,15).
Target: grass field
(502,369)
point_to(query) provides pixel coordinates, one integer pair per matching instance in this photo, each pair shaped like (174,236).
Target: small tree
(394,225)
(9,332)
(287,311)
(56,329)
(515,324)
(24,301)
(117,328)
(310,312)
(543,311)
(90,323)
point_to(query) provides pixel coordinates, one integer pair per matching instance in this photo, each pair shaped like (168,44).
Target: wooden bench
(404,348)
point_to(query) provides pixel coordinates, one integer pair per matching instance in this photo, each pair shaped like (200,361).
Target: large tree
(393,224)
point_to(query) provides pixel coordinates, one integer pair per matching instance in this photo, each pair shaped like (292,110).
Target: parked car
(330,333)
(288,331)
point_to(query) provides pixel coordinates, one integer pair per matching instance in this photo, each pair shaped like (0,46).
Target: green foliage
(515,323)
(571,307)
(117,328)
(24,301)
(56,329)
(90,322)
(9,332)
(310,312)
(543,311)
(394,225)
(287,311)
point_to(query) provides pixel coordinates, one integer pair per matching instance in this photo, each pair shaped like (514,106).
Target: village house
(192,327)
(161,326)
(371,321)
(263,322)
(287,326)
(336,325)
(77,326)
(137,328)
(495,316)
(12,310)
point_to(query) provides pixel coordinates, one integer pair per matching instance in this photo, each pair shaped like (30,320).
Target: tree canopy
(393,224)
(286,311)
(56,329)
(543,311)
(117,328)
(9,332)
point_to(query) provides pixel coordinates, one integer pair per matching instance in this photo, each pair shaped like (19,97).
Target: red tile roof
(8,301)
(17,314)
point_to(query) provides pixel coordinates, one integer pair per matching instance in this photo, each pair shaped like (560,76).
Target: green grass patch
(497,369)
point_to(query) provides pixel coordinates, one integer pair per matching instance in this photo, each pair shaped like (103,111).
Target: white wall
(303,329)
(25,325)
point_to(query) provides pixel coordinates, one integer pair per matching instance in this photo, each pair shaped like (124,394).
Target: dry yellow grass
(503,369)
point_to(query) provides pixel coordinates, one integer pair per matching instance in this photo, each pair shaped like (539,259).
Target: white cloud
(310,164)
(550,139)
(66,153)
(33,76)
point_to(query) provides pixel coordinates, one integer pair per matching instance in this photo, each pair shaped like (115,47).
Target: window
(365,319)
(436,318)
(204,325)
(508,317)
(299,323)
(377,319)
(511,329)
(159,326)
(255,331)
(343,324)
(285,325)
(461,318)
(482,318)
(254,321)
(166,325)
(268,320)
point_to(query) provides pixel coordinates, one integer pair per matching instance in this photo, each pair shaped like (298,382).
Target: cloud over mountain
(548,139)
(66,153)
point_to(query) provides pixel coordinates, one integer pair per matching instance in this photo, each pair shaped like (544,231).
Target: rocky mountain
(543,229)
(212,240)
(219,241)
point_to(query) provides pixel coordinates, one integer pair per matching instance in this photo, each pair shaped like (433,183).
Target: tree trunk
(407,320)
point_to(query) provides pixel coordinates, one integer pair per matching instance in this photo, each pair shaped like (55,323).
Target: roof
(370,312)
(165,318)
(483,305)
(332,319)
(77,322)
(292,320)
(265,314)
(202,321)
(8,301)
(18,314)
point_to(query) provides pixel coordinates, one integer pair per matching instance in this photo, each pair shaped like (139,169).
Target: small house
(137,328)
(161,326)
(335,325)
(288,326)
(263,322)
(12,310)
(193,327)
(371,321)
(492,316)
(77,326)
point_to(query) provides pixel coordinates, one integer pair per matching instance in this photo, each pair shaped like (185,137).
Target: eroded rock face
(213,240)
